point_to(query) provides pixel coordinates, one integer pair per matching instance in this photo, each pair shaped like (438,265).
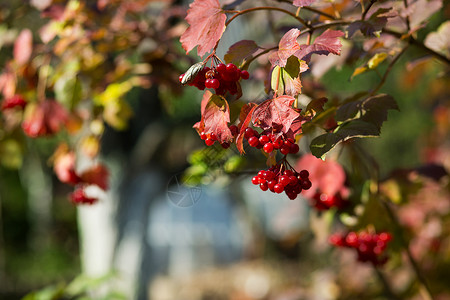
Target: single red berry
(203,135)
(209,142)
(231,68)
(263,139)
(221,68)
(268,147)
(213,136)
(208,83)
(284,180)
(278,188)
(306,184)
(294,148)
(253,141)
(234,130)
(263,186)
(225,145)
(255,180)
(285,150)
(248,133)
(215,83)
(288,173)
(262,174)
(245,74)
(304,174)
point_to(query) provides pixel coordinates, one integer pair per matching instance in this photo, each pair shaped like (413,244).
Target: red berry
(304,174)
(221,68)
(203,135)
(278,188)
(268,147)
(245,74)
(294,148)
(209,142)
(213,136)
(248,133)
(234,130)
(253,141)
(285,150)
(225,145)
(208,84)
(255,180)
(263,139)
(263,186)
(231,68)
(215,83)
(306,184)
(284,180)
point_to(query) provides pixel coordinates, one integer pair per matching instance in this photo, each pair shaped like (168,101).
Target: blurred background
(181,220)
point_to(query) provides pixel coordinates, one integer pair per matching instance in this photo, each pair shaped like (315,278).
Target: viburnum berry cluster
(278,179)
(268,141)
(221,78)
(369,246)
(211,138)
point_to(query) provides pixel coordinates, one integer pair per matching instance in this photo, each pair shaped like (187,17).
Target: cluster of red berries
(211,138)
(369,246)
(277,181)
(269,142)
(221,78)
(322,201)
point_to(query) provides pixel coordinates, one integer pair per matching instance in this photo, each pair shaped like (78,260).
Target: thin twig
(366,10)
(256,56)
(388,70)
(311,9)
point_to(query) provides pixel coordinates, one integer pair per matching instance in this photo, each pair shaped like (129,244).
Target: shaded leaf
(373,24)
(288,46)
(207,24)
(315,106)
(328,42)
(275,113)
(357,119)
(240,51)
(421,10)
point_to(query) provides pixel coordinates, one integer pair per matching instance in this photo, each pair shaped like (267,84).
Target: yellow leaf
(358,71)
(376,60)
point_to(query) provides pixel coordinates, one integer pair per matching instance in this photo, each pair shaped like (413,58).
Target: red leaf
(276,113)
(245,117)
(302,3)
(97,175)
(216,118)
(288,46)
(44,118)
(328,42)
(207,24)
(327,176)
(200,126)
(296,127)
(23,47)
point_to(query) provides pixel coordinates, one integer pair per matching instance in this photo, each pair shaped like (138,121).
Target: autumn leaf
(97,175)
(44,118)
(439,41)
(301,3)
(240,51)
(207,24)
(328,42)
(288,46)
(373,24)
(216,118)
(275,113)
(245,116)
(200,126)
(23,47)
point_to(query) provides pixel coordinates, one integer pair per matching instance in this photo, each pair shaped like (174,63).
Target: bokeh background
(216,237)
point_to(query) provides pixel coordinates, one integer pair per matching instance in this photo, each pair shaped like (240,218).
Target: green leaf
(277,76)
(68,91)
(357,119)
(376,60)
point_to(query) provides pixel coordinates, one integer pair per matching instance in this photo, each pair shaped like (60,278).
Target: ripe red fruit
(203,135)
(221,68)
(278,188)
(304,174)
(255,180)
(209,142)
(263,186)
(234,130)
(268,147)
(263,139)
(253,141)
(245,74)
(231,68)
